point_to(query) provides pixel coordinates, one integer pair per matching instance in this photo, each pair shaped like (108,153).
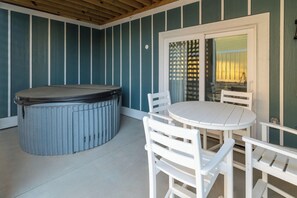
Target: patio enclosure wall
(36,51)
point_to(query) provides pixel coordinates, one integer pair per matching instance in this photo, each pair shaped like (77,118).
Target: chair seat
(275,164)
(186,175)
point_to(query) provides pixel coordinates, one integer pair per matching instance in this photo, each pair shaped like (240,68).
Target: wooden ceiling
(92,11)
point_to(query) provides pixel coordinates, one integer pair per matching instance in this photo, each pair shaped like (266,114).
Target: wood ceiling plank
(132,3)
(53,6)
(155,5)
(93,7)
(83,9)
(145,2)
(106,6)
(53,10)
(119,4)
(92,11)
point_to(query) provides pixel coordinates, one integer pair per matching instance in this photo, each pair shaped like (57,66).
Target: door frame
(258,28)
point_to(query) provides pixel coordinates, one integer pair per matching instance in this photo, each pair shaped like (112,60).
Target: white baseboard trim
(133,113)
(8,122)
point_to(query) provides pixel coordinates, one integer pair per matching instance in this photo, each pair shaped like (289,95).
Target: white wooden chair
(243,99)
(271,159)
(158,106)
(185,161)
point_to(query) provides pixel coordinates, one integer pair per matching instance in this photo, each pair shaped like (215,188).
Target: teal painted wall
(96,56)
(85,55)
(290,72)
(211,11)
(235,8)
(116,57)
(102,57)
(3,63)
(191,14)
(71,53)
(39,51)
(57,52)
(135,64)
(174,19)
(19,55)
(109,56)
(146,54)
(125,64)
(158,26)
(272,6)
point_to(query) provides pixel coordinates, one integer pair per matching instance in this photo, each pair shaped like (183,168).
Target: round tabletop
(212,115)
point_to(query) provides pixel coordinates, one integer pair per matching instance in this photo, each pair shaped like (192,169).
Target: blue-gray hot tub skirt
(68,127)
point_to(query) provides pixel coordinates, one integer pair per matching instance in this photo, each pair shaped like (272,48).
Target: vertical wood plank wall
(3,63)
(119,55)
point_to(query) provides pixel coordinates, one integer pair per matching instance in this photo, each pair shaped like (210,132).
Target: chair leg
(152,182)
(171,182)
(228,177)
(204,132)
(265,179)
(248,171)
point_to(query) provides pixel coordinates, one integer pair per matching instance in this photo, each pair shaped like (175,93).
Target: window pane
(184,70)
(225,65)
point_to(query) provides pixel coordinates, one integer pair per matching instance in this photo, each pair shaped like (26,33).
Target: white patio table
(213,115)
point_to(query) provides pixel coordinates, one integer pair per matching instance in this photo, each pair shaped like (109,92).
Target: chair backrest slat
(243,99)
(171,130)
(159,102)
(173,156)
(169,142)
(179,145)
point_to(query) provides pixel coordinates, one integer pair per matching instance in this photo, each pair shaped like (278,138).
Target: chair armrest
(283,128)
(276,148)
(219,156)
(161,116)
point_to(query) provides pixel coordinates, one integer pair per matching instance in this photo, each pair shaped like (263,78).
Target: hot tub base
(65,128)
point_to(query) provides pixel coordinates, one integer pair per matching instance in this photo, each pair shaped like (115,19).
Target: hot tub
(65,119)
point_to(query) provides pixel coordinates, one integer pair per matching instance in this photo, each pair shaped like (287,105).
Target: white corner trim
(249,2)
(9,64)
(91,55)
(78,57)
(65,53)
(49,52)
(30,52)
(222,10)
(133,113)
(281,65)
(8,122)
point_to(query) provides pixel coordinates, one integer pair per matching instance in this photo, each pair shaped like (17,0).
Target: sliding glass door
(200,66)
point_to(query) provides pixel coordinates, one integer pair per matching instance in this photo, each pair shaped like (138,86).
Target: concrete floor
(115,169)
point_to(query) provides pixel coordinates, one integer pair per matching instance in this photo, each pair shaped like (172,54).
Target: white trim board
(133,113)
(8,122)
